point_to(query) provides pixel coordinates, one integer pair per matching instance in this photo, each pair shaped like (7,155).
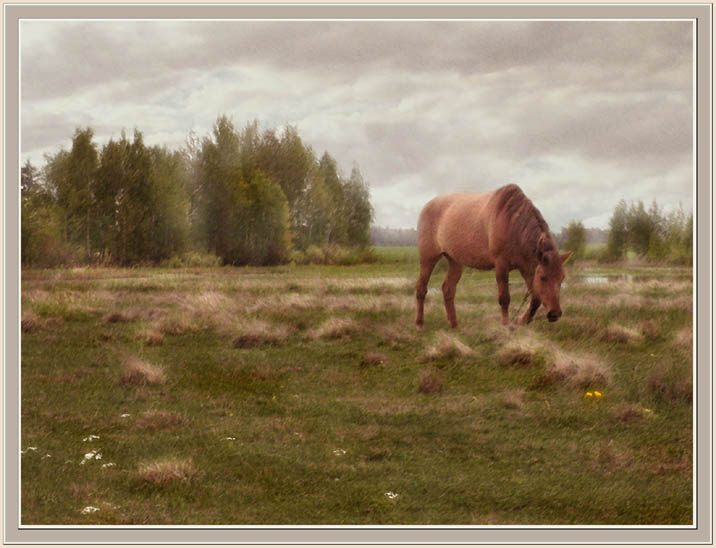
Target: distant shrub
(315,255)
(192,259)
(334,255)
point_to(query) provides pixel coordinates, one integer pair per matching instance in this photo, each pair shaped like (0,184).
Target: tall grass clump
(333,328)
(447,346)
(430,382)
(525,351)
(579,370)
(254,333)
(139,372)
(165,472)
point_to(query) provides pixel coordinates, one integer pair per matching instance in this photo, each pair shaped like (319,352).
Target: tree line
(248,197)
(651,234)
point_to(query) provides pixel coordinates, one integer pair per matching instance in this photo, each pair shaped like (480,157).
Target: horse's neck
(527,269)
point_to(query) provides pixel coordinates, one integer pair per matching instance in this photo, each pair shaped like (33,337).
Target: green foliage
(576,240)
(651,235)
(41,227)
(358,209)
(618,232)
(144,202)
(192,259)
(263,235)
(244,196)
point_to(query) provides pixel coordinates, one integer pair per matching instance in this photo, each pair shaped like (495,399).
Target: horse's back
(459,226)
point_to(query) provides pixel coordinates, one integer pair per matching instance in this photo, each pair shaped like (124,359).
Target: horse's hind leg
(421,288)
(449,287)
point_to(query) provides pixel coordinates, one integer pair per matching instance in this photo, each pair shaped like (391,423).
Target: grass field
(304,395)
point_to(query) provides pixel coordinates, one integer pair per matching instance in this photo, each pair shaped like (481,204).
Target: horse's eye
(543,278)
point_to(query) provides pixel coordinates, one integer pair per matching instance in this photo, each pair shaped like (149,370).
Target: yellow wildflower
(589,394)
(598,394)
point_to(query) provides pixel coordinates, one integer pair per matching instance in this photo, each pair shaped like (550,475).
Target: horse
(500,230)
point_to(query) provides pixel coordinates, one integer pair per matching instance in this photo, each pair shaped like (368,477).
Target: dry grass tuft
(520,352)
(626,300)
(30,322)
(153,337)
(577,370)
(334,328)
(160,420)
(430,382)
(259,333)
(176,325)
(138,372)
(668,384)
(395,335)
(649,329)
(513,399)
(373,358)
(619,334)
(685,338)
(164,472)
(447,346)
(121,316)
(627,413)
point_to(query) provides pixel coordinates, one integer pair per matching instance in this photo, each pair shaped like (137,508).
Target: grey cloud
(424,107)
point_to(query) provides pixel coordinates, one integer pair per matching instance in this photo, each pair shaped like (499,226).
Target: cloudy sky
(579,113)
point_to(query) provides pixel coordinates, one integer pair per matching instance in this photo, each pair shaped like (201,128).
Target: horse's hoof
(419,327)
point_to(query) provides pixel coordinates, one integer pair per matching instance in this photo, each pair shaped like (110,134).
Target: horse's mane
(525,222)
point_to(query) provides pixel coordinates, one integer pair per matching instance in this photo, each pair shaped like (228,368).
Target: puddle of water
(604,278)
(594,279)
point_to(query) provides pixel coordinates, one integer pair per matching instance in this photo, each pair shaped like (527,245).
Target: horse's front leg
(530,312)
(503,291)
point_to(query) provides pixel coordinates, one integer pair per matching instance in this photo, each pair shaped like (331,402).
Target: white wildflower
(28,449)
(94,454)
(339,452)
(90,510)
(125,415)
(391,495)
(107,465)
(230,438)
(90,437)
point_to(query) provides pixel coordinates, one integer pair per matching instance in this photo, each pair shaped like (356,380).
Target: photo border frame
(701,532)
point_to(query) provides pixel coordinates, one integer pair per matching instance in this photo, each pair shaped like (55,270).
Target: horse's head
(548,276)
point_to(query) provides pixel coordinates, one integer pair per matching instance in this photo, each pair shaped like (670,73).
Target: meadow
(304,395)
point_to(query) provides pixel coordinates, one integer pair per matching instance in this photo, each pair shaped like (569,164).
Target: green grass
(271,411)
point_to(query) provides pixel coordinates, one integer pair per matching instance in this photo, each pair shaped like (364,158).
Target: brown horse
(501,230)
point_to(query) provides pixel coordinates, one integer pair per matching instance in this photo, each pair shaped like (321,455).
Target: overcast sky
(579,114)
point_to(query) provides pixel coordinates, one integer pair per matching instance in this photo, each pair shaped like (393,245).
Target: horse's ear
(541,241)
(564,256)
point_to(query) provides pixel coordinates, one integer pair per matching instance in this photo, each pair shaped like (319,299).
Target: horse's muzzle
(553,316)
